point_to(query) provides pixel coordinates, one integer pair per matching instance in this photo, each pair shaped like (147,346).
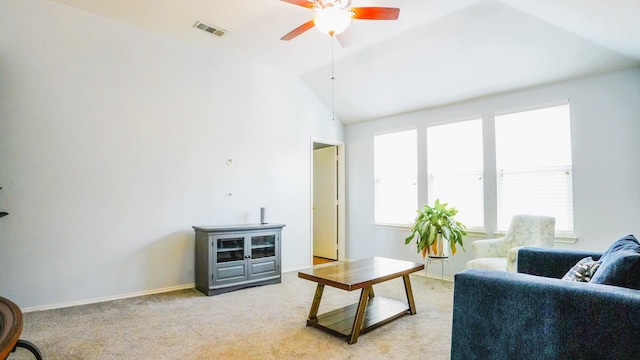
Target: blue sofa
(534,314)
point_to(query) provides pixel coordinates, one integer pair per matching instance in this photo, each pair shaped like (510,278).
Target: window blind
(533,160)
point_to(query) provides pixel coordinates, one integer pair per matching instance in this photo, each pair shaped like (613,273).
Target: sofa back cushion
(620,264)
(552,263)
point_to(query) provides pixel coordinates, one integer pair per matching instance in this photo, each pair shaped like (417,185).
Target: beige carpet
(266,322)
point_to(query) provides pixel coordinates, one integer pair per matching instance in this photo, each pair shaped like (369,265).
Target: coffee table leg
(313,313)
(407,289)
(357,321)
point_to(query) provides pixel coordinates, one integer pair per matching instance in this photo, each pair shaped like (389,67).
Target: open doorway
(327,219)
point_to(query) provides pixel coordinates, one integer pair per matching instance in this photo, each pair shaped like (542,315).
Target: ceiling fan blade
(299,30)
(304,3)
(375,13)
(344,38)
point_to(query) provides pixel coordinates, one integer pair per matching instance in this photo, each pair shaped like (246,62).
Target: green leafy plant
(432,222)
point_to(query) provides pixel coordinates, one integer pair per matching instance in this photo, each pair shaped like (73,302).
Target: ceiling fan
(333,17)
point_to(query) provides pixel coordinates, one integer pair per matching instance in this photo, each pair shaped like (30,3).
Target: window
(533,160)
(454,162)
(396,171)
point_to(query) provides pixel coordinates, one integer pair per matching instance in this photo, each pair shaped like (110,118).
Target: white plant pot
(442,247)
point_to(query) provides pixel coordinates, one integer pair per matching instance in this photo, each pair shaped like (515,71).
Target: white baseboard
(108,298)
(130,295)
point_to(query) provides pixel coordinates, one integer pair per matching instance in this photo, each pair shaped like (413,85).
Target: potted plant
(434,226)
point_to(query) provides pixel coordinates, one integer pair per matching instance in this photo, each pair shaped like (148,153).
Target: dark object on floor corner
(10,330)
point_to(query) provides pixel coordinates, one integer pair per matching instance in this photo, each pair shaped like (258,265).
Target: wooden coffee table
(371,311)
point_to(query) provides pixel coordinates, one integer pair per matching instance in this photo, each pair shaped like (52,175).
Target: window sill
(477,232)
(566,238)
(393,226)
(407,227)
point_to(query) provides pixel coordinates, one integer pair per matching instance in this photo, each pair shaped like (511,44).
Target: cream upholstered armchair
(502,253)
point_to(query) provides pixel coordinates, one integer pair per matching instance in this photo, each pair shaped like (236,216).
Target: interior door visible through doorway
(325,203)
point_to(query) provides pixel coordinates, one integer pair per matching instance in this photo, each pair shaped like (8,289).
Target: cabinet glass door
(263,246)
(230,249)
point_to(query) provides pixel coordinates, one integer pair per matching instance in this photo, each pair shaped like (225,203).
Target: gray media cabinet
(232,257)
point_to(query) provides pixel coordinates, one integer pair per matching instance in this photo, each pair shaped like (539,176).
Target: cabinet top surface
(241,227)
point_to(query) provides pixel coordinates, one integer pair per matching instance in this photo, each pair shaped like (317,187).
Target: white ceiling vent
(210,29)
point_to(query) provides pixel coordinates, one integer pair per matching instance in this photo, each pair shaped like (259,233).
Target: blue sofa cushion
(582,271)
(550,262)
(620,264)
(628,242)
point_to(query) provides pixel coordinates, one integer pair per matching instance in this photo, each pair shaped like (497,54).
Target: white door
(325,204)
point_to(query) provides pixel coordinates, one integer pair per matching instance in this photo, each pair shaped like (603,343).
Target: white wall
(605,120)
(113,143)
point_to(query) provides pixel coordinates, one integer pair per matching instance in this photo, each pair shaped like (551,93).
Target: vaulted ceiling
(437,52)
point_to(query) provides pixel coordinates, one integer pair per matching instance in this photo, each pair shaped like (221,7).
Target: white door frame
(341,196)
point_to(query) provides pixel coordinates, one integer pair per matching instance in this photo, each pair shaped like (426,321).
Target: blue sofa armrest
(553,263)
(502,315)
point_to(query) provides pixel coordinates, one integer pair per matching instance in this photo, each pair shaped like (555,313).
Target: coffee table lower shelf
(379,311)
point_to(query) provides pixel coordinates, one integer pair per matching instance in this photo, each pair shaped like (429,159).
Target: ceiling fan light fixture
(332,20)
(342,4)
